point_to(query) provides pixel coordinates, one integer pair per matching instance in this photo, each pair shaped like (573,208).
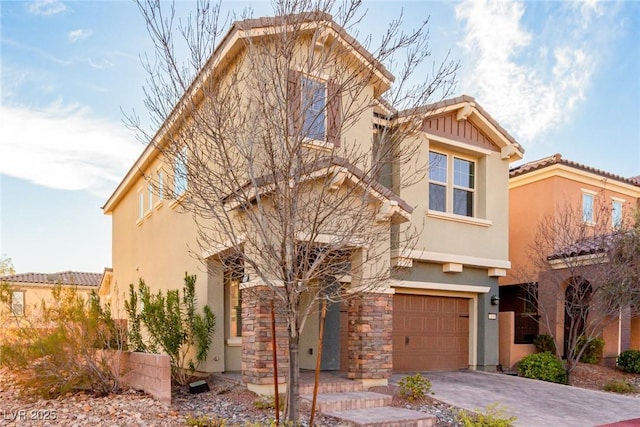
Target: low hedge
(629,361)
(543,366)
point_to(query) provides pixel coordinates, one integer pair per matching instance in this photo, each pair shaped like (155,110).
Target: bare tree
(280,145)
(583,276)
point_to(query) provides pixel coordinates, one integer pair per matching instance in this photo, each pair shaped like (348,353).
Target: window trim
(592,195)
(450,187)
(315,81)
(141,205)
(182,162)
(620,202)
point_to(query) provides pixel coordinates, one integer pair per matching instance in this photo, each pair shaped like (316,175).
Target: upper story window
(160,185)
(180,173)
(150,191)
(140,204)
(314,99)
(17,303)
(314,108)
(451,192)
(616,213)
(587,207)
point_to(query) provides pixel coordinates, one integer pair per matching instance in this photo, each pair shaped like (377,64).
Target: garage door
(430,333)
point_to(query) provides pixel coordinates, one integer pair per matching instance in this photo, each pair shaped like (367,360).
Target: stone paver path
(535,403)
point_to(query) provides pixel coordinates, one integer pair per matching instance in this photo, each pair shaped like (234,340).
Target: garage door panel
(430,333)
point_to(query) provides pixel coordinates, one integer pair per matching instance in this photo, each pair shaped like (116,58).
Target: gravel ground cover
(226,400)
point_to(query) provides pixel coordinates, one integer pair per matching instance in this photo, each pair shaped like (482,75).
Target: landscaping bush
(543,366)
(172,326)
(414,387)
(58,347)
(544,343)
(494,416)
(629,361)
(619,386)
(593,351)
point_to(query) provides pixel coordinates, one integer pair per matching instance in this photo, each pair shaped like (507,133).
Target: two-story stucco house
(545,190)
(439,308)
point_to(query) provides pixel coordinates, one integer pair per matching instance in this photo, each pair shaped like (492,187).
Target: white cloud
(46,7)
(529,80)
(79,34)
(63,147)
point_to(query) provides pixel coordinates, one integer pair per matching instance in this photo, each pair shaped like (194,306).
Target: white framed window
(160,185)
(314,116)
(451,184)
(17,303)
(150,191)
(616,213)
(140,204)
(180,173)
(587,207)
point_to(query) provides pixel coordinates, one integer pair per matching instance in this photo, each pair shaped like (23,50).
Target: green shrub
(414,387)
(543,366)
(172,326)
(494,416)
(593,351)
(545,343)
(629,361)
(619,386)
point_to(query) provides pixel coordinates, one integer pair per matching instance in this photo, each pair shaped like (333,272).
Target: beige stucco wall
(511,353)
(455,234)
(36,293)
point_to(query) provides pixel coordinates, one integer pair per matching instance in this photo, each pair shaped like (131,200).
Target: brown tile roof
(557,159)
(64,278)
(458,100)
(587,246)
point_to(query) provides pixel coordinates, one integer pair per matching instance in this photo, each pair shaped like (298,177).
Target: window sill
(459,218)
(139,221)
(234,342)
(158,205)
(317,144)
(148,213)
(178,200)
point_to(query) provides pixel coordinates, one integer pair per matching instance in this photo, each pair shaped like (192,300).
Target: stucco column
(487,356)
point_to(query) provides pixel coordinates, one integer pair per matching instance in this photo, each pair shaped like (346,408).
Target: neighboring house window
(437,181)
(587,208)
(314,98)
(17,303)
(160,185)
(616,214)
(150,190)
(233,276)
(442,187)
(180,173)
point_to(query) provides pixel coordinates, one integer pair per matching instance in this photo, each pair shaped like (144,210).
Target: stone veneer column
(257,349)
(369,337)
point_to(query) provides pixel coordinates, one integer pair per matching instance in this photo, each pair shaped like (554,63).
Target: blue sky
(559,76)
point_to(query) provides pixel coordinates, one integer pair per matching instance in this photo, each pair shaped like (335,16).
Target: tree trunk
(293,383)
(571,364)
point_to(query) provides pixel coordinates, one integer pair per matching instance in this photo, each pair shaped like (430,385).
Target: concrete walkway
(534,403)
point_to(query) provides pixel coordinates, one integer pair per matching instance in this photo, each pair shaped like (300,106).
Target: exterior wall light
(495,299)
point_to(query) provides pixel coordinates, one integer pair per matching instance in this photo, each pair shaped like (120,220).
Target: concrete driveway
(535,403)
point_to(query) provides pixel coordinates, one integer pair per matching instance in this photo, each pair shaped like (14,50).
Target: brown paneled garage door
(430,333)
